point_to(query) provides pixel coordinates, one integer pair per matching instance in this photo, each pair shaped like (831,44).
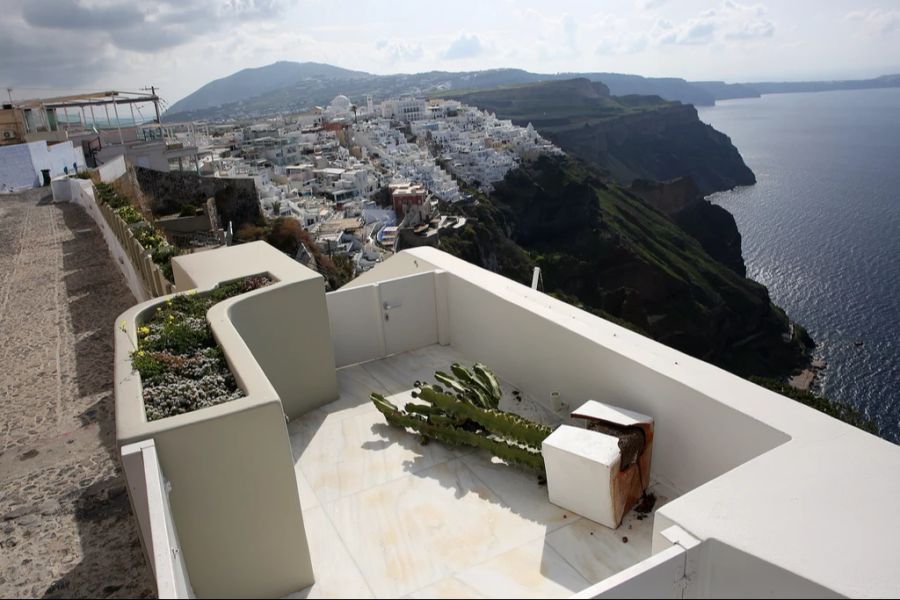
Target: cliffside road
(66,527)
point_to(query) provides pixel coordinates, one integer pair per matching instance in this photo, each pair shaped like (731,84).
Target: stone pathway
(66,526)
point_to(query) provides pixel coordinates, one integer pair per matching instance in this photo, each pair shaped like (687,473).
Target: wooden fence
(151,276)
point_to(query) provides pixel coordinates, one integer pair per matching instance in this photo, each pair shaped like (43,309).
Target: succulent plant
(181,366)
(464,412)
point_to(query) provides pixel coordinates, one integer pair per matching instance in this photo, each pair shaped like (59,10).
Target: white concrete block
(580,470)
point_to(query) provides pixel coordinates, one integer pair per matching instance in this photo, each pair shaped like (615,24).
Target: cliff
(604,249)
(711,225)
(626,137)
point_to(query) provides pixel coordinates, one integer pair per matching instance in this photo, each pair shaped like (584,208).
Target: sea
(821,229)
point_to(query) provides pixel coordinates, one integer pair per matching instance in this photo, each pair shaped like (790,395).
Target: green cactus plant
(466,413)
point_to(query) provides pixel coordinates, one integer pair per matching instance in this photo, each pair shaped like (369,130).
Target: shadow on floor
(113,564)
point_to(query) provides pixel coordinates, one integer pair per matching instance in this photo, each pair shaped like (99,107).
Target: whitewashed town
(325,167)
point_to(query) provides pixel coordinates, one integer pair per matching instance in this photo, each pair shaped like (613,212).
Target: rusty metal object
(635,435)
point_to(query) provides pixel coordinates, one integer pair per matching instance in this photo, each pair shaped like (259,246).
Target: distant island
(296,86)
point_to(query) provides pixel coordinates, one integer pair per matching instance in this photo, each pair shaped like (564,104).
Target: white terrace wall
(543,345)
(550,356)
(81,192)
(149,492)
(112,170)
(394,315)
(726,572)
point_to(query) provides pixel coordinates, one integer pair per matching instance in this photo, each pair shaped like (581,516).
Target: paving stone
(60,294)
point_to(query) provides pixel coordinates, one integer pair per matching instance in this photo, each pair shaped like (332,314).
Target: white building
(23,165)
(405,108)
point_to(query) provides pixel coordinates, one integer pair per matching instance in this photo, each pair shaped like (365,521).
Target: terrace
(388,516)
(755,491)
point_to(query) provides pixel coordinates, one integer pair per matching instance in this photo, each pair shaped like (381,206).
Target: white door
(408,312)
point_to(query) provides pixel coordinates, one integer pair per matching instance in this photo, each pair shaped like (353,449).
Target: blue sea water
(821,229)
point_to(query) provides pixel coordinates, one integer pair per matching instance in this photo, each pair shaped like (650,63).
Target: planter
(233,492)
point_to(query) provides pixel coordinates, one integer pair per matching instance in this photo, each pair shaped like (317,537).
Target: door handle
(388,306)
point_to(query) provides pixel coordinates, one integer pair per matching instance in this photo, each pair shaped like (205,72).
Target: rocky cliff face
(711,225)
(626,137)
(660,144)
(605,249)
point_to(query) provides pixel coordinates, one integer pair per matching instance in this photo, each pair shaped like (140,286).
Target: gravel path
(66,527)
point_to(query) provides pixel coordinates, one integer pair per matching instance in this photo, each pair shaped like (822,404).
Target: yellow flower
(192,292)
(144,330)
(171,317)
(122,324)
(140,352)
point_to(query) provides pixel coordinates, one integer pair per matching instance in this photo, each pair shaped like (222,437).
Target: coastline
(805,379)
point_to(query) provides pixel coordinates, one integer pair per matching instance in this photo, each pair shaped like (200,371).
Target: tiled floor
(389,517)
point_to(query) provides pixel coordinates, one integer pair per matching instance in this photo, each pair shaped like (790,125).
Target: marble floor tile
(308,498)
(597,551)
(336,574)
(533,570)
(343,457)
(395,517)
(519,490)
(398,373)
(447,588)
(418,530)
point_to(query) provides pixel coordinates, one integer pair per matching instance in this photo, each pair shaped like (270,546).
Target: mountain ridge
(276,87)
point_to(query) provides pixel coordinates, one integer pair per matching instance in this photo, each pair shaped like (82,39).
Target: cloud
(148,27)
(78,43)
(27,60)
(876,21)
(570,32)
(400,50)
(72,14)
(694,31)
(464,46)
(650,4)
(616,35)
(551,38)
(729,21)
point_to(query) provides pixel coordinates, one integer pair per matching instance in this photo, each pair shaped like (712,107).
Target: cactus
(465,412)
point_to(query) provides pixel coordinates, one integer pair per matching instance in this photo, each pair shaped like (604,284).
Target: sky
(53,47)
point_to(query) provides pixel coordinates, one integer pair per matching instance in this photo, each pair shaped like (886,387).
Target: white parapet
(148,490)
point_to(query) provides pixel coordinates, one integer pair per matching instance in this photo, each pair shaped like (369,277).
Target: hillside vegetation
(604,249)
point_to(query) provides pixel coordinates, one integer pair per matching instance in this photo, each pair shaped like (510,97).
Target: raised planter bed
(181,366)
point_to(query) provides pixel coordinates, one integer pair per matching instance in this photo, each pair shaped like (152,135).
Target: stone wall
(236,200)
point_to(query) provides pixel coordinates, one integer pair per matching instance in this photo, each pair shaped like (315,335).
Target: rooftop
(758,495)
(388,516)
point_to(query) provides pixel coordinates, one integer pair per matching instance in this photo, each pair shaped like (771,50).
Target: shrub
(181,367)
(162,256)
(249,232)
(149,238)
(130,214)
(189,210)
(286,235)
